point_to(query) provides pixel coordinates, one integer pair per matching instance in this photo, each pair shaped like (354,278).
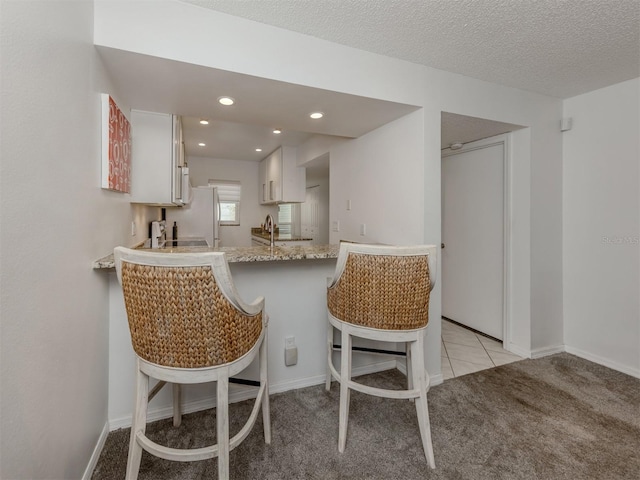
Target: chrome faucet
(269,226)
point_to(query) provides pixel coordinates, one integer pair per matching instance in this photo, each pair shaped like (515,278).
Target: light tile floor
(464,351)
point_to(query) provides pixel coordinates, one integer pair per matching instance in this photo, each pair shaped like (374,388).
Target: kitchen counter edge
(278,237)
(244,254)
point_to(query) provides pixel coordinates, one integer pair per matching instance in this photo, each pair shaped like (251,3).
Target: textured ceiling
(560,48)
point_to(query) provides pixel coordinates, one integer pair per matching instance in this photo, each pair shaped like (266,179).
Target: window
(229,196)
(286,217)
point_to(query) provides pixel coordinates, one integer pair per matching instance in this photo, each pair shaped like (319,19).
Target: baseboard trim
(603,361)
(546,351)
(95,455)
(515,349)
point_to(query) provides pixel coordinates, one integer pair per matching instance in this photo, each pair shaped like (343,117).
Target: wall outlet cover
(290,356)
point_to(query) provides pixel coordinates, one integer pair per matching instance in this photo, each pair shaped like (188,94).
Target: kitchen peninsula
(293,281)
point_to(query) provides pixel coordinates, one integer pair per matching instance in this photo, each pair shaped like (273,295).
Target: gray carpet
(558,417)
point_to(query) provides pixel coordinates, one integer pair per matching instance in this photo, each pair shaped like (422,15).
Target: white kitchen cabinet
(281,180)
(159,175)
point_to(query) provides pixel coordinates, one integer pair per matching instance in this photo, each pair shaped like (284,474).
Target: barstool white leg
(177,409)
(422,409)
(139,423)
(327,384)
(222,421)
(409,369)
(264,380)
(345,393)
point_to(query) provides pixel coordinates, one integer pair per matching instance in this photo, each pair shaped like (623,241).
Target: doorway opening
(476,218)
(314,212)
(474,213)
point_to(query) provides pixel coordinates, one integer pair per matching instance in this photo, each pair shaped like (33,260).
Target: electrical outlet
(290,356)
(363,229)
(133,229)
(348,204)
(335,226)
(290,351)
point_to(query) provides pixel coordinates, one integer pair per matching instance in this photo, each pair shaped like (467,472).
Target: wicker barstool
(188,325)
(382,293)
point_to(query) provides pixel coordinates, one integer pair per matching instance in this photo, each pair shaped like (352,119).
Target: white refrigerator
(199,219)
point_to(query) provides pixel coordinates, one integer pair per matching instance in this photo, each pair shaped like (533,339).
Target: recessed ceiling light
(204,122)
(316,115)
(202,144)
(226,101)
(258,149)
(277,131)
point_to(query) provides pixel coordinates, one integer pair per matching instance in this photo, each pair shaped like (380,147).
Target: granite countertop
(244,254)
(277,236)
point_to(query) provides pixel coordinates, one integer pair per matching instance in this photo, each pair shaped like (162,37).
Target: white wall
(252,214)
(601,210)
(381,173)
(55,222)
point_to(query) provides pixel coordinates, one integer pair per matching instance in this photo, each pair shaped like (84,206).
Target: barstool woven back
(189,325)
(179,317)
(382,291)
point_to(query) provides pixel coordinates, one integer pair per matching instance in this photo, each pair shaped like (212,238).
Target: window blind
(285,217)
(228,190)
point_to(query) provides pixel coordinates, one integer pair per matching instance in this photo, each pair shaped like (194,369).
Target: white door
(309,214)
(473,235)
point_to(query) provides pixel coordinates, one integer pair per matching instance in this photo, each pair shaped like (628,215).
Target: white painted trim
(97,451)
(506,243)
(546,351)
(517,350)
(507,258)
(436,380)
(634,372)
(241,393)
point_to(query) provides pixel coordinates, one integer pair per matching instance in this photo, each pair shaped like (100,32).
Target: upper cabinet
(281,180)
(159,174)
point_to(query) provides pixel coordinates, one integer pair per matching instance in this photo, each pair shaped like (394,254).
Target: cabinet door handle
(178,185)
(270,189)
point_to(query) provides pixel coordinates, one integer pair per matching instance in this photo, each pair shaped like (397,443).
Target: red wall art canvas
(116,147)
